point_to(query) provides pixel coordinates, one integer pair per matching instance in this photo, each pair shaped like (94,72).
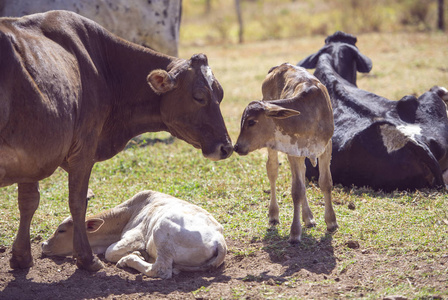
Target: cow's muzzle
(222,151)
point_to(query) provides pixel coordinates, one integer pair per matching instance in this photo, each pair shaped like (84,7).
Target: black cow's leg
(28,202)
(78,185)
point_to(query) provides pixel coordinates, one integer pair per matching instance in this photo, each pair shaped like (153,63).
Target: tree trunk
(240,20)
(441,17)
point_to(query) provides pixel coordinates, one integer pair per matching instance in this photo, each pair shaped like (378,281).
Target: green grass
(390,225)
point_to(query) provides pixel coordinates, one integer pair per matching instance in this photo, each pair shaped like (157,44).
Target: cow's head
(258,125)
(191,96)
(61,242)
(345,56)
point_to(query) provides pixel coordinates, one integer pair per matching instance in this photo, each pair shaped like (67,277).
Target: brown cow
(73,94)
(299,123)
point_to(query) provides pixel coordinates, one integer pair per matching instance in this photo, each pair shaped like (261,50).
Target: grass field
(390,225)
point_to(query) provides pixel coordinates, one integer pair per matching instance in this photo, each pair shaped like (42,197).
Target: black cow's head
(345,56)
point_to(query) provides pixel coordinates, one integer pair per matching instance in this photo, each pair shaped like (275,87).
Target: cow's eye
(199,97)
(61,231)
(251,123)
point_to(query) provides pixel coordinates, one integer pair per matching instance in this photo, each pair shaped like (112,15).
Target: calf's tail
(214,262)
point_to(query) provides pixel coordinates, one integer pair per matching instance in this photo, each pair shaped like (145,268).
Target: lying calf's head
(61,242)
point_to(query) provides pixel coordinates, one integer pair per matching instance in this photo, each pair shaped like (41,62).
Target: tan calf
(296,118)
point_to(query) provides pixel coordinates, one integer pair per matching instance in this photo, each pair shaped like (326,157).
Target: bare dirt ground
(263,274)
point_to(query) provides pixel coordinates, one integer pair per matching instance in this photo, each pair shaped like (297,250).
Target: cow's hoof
(21,262)
(92,266)
(294,241)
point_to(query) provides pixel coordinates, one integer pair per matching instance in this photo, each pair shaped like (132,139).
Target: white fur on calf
(180,236)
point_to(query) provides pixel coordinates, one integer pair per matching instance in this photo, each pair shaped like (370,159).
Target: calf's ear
(278,112)
(160,81)
(93,225)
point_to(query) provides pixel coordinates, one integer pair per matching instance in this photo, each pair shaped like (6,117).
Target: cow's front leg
(78,185)
(130,242)
(298,193)
(28,195)
(163,267)
(272,170)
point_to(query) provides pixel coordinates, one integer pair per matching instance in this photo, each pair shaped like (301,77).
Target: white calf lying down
(177,234)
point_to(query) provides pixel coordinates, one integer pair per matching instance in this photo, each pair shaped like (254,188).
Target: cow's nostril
(235,148)
(226,150)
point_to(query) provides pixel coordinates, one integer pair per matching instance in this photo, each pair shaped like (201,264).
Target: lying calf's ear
(161,81)
(278,112)
(93,225)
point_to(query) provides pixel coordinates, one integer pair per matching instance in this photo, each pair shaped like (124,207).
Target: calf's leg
(28,195)
(162,267)
(298,192)
(272,170)
(326,184)
(129,243)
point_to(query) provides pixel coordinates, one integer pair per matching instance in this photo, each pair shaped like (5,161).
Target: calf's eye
(251,123)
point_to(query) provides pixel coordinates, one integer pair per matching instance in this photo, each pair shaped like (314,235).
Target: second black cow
(377,142)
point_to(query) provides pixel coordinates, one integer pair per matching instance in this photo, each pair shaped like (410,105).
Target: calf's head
(345,57)
(191,97)
(258,125)
(61,242)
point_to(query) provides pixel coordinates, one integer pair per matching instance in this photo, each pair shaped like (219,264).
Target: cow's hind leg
(272,170)
(298,192)
(28,202)
(326,184)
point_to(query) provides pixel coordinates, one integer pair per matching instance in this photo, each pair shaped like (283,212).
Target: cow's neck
(135,108)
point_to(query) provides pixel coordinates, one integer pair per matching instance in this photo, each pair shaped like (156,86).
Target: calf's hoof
(17,262)
(332,228)
(310,224)
(92,266)
(274,222)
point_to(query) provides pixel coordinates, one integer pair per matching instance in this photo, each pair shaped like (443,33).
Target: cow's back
(42,58)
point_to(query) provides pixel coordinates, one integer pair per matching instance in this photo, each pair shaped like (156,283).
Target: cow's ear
(363,63)
(93,225)
(310,62)
(278,112)
(160,81)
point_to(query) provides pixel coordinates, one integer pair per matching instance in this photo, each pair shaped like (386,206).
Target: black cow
(377,142)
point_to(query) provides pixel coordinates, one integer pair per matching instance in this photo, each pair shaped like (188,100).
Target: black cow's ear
(310,62)
(363,63)
(160,81)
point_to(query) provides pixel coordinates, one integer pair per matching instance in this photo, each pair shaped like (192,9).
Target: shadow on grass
(141,142)
(314,255)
